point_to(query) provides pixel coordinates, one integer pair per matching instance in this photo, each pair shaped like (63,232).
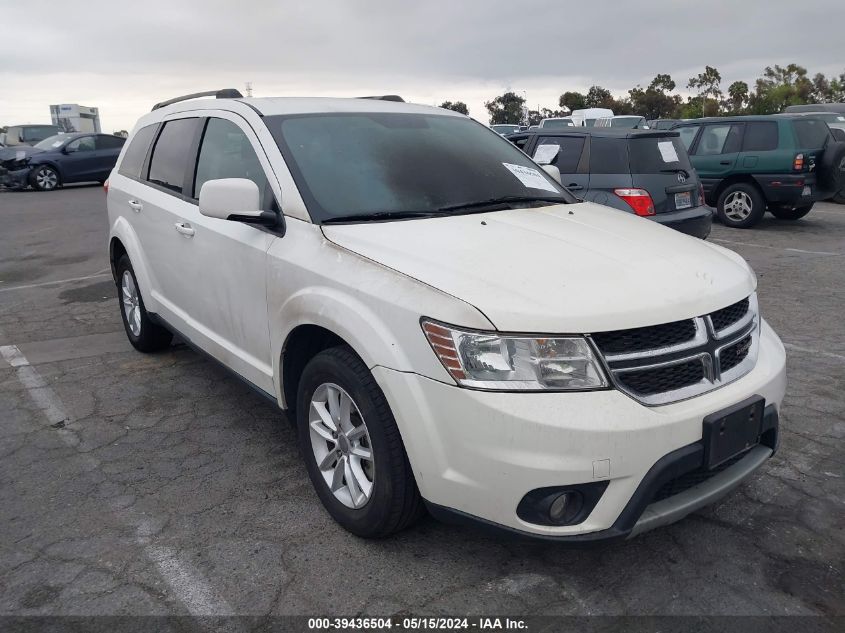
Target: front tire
(352,447)
(144,334)
(740,206)
(45,178)
(788,213)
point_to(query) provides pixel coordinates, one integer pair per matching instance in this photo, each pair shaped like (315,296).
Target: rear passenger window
(760,136)
(568,154)
(608,156)
(109,142)
(170,154)
(135,154)
(227,153)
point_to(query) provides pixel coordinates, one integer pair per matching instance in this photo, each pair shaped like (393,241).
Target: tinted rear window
(170,154)
(135,154)
(609,156)
(760,136)
(811,133)
(110,142)
(651,155)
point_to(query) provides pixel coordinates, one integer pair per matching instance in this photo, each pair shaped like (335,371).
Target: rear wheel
(143,333)
(740,205)
(352,447)
(788,213)
(44,178)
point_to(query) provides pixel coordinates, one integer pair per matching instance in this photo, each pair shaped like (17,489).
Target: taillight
(798,163)
(638,199)
(700,194)
(106,186)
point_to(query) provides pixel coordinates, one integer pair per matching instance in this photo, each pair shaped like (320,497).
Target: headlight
(488,360)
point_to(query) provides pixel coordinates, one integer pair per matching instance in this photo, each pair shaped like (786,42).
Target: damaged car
(58,160)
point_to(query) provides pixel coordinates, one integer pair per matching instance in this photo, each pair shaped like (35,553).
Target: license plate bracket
(733,430)
(683,200)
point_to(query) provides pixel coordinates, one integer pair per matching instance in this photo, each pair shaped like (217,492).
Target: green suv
(747,164)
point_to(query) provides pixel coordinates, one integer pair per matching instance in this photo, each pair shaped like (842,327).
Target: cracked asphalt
(159,484)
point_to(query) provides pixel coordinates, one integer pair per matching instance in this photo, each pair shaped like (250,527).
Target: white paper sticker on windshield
(57,143)
(530,177)
(545,154)
(840,118)
(667,151)
(20,155)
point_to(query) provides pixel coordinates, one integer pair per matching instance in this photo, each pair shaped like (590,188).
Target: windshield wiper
(381,215)
(503,201)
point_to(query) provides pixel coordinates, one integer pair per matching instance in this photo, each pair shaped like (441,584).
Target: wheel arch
(124,241)
(302,344)
(747,179)
(49,163)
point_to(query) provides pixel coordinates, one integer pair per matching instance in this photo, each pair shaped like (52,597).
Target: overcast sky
(125,56)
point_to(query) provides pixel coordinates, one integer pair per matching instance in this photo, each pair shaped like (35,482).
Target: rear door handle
(185,229)
(725,162)
(574,186)
(136,206)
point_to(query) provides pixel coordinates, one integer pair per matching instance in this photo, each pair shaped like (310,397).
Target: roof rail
(385,98)
(225,93)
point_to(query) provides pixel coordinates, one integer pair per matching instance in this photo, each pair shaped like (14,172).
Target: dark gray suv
(646,172)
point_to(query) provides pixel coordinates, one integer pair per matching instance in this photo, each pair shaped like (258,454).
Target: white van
(587,117)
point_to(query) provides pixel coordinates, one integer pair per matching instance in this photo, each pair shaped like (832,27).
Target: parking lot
(160,484)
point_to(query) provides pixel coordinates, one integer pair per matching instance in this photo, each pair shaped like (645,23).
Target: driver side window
(84,144)
(226,152)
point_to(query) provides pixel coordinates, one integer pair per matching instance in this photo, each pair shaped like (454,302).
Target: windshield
(625,121)
(33,133)
(52,142)
(557,123)
(352,164)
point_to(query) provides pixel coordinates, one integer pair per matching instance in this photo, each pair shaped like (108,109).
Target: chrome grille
(674,361)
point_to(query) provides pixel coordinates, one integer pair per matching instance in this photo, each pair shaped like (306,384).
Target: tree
(598,97)
(781,86)
(506,108)
(709,92)
(457,106)
(653,102)
(737,97)
(122,133)
(572,100)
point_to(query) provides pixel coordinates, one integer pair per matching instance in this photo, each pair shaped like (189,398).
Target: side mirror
(234,199)
(67,149)
(552,171)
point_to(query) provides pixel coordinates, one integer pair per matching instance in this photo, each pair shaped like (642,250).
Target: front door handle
(135,206)
(185,229)
(574,186)
(724,162)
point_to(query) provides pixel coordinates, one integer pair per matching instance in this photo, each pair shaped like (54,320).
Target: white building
(72,117)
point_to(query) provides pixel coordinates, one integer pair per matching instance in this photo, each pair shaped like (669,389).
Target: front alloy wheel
(45,178)
(352,447)
(341,445)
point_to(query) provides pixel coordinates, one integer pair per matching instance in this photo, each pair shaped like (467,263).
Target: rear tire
(144,334)
(336,387)
(787,213)
(740,205)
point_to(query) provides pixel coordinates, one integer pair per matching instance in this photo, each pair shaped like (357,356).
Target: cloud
(130,56)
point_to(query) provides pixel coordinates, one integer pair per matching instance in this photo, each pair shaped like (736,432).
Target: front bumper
(696,221)
(476,454)
(14,179)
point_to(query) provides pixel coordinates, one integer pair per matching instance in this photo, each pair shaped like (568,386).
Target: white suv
(448,327)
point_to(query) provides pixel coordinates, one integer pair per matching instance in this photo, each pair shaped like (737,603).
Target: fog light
(558,508)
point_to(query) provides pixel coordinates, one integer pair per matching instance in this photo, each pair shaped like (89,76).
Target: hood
(576,268)
(17,152)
